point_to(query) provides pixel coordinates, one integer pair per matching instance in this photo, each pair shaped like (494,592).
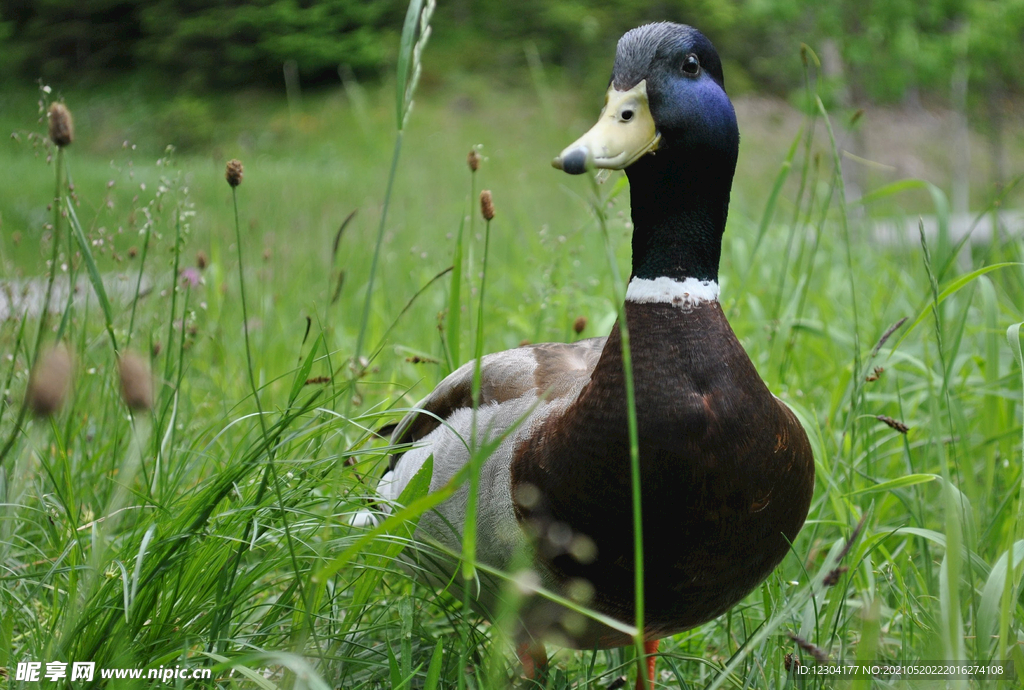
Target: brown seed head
(50,381)
(62,128)
(473,159)
(885,336)
(894,423)
(136,382)
(819,654)
(579,324)
(234,172)
(201,261)
(832,578)
(487,205)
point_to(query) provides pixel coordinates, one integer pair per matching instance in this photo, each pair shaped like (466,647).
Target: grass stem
(598,206)
(45,312)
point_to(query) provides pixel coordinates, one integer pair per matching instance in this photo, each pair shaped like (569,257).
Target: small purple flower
(190,276)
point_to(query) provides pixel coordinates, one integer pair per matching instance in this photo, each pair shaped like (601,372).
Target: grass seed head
(885,336)
(136,382)
(201,261)
(50,381)
(819,654)
(894,423)
(234,172)
(487,205)
(833,576)
(473,160)
(62,127)
(580,324)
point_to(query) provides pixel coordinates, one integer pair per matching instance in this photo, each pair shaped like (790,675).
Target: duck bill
(624,132)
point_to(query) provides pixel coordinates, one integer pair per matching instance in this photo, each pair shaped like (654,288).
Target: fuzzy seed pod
(579,324)
(50,381)
(234,172)
(136,382)
(62,128)
(487,205)
(473,159)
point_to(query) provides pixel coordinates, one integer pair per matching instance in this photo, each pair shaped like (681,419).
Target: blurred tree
(234,42)
(883,50)
(576,35)
(49,37)
(204,43)
(995,46)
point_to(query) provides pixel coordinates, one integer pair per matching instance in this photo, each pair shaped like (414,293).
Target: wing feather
(549,369)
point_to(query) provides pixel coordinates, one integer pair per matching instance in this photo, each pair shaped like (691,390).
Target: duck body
(726,470)
(724,480)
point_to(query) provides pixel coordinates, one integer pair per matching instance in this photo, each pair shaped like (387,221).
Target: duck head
(669,124)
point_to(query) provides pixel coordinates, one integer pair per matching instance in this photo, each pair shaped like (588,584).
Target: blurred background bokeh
(949,72)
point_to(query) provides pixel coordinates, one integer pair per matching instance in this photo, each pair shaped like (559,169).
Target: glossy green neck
(679,212)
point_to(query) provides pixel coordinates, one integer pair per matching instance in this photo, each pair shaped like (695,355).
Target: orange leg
(650,649)
(534,659)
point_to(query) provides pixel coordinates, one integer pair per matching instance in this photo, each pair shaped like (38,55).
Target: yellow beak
(624,132)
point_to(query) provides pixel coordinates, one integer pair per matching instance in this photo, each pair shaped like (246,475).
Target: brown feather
(727,472)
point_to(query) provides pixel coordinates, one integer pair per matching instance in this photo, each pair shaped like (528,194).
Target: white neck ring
(679,293)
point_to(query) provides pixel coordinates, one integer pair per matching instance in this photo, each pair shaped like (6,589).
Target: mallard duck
(726,469)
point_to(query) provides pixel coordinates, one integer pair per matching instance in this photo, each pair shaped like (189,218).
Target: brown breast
(726,473)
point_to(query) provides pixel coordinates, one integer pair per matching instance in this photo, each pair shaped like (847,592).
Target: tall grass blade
(476,459)
(302,374)
(951,289)
(408,60)
(1013,336)
(773,198)
(454,328)
(598,209)
(899,483)
(997,596)
(434,669)
(94,274)
(412,19)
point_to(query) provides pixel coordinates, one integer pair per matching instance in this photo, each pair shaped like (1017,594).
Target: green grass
(232,548)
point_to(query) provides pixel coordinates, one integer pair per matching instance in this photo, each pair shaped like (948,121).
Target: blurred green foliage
(197,43)
(872,50)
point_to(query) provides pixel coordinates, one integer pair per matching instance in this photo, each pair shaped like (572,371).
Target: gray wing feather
(525,386)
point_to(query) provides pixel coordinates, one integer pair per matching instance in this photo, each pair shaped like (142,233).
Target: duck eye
(691,65)
(626,115)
